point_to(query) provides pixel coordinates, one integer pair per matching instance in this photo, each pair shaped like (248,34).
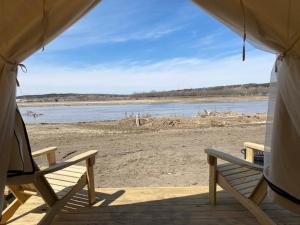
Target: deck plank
(151,206)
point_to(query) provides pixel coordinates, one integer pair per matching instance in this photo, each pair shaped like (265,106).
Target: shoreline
(164,117)
(146,101)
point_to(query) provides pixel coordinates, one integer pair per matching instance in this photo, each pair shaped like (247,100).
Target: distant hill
(70,97)
(218,91)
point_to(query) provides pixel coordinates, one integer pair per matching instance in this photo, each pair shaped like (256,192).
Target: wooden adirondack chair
(56,184)
(243,179)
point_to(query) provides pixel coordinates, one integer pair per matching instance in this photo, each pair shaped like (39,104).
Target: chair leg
(45,190)
(212,161)
(260,192)
(256,211)
(90,180)
(10,210)
(60,203)
(13,207)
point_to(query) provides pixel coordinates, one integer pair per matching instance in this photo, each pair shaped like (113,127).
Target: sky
(125,46)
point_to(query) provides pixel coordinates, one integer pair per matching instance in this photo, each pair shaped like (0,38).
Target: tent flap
(274,25)
(25,27)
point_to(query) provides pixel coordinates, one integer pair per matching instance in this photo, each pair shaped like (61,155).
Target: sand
(167,151)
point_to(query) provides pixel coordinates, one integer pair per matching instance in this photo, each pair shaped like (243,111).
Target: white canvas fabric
(25,26)
(274,25)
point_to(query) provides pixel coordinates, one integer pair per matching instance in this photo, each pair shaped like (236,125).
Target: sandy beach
(165,151)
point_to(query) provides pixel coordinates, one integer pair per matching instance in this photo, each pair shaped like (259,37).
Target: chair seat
(63,180)
(242,179)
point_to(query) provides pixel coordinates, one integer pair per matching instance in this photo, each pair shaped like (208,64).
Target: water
(89,113)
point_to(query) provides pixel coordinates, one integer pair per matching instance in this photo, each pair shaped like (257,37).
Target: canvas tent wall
(25,26)
(274,25)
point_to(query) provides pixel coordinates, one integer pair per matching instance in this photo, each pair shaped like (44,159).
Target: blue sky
(125,46)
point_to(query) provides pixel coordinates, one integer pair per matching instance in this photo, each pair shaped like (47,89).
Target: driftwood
(137,120)
(33,114)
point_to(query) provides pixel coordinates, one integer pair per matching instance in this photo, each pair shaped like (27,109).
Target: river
(90,113)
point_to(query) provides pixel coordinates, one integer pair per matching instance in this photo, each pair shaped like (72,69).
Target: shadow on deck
(151,205)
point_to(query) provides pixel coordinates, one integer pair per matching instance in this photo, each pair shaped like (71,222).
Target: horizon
(169,47)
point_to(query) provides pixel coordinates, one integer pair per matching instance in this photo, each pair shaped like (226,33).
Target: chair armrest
(254,146)
(251,149)
(49,152)
(232,159)
(44,151)
(76,159)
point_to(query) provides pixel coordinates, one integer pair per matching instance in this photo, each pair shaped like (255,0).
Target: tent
(273,25)
(25,27)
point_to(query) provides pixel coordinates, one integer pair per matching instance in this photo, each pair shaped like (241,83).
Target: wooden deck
(149,206)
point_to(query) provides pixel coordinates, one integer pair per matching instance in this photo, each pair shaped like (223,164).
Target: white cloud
(95,37)
(108,23)
(129,77)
